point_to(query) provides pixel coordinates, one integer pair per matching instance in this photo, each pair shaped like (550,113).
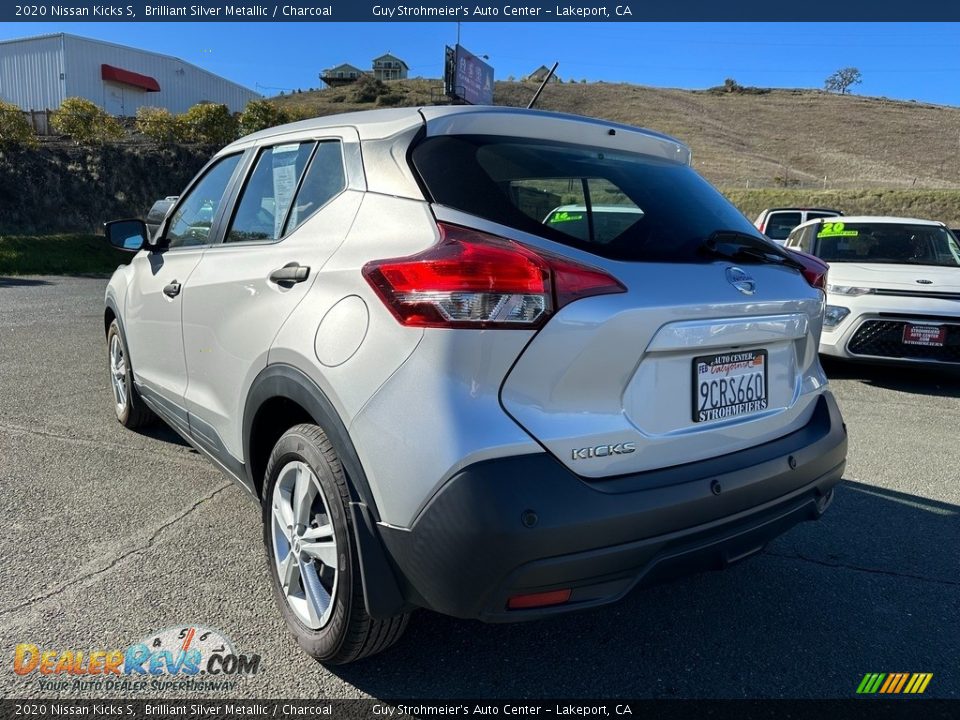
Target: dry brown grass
(741,140)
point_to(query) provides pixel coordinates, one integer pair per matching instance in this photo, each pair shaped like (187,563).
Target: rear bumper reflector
(540,599)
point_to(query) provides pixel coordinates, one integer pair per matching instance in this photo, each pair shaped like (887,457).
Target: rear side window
(619,205)
(779,224)
(325,179)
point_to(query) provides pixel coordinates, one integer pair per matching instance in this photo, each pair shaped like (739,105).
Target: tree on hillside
(842,79)
(260,115)
(732,86)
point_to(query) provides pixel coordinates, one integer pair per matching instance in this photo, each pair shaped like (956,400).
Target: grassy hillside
(766,139)
(59,255)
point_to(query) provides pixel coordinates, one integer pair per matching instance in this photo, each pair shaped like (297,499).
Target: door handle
(172,290)
(290,274)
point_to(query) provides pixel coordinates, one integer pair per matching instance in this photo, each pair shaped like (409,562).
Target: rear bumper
(526,524)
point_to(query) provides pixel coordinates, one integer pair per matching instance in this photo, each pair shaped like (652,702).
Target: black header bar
(452,11)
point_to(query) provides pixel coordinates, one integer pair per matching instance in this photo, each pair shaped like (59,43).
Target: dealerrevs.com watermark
(182,658)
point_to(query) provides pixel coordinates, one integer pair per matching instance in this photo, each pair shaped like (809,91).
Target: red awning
(127,77)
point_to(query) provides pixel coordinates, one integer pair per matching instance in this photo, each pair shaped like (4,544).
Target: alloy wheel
(304,544)
(118,373)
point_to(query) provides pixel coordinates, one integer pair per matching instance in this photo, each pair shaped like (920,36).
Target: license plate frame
(924,335)
(742,364)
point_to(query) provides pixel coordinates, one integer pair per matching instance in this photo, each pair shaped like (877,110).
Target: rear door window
(268,194)
(619,205)
(324,180)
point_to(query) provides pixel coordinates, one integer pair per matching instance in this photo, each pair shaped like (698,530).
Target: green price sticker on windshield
(564,217)
(836,229)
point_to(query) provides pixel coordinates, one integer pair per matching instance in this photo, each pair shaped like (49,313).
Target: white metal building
(38,73)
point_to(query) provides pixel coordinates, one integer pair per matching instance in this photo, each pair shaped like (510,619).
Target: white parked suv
(441,400)
(894,292)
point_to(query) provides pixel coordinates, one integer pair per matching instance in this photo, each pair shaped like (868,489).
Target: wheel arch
(283,389)
(282,385)
(110,313)
(108,317)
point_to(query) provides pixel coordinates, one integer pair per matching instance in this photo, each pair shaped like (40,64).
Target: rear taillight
(475,280)
(814,269)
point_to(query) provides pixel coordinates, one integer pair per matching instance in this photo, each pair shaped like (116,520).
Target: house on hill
(540,73)
(389,67)
(343,74)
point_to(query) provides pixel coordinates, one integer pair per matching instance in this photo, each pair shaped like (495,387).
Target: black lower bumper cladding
(526,524)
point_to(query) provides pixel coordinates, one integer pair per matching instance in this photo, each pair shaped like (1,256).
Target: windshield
(619,205)
(887,243)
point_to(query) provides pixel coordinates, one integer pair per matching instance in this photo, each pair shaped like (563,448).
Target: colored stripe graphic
(870,683)
(918,683)
(903,680)
(894,683)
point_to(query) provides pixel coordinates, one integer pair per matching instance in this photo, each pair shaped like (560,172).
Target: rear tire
(311,552)
(129,407)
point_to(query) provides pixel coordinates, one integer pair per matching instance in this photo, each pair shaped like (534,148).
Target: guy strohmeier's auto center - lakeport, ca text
(387,11)
(274,10)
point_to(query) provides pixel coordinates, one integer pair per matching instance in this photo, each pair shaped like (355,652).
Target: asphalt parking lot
(110,535)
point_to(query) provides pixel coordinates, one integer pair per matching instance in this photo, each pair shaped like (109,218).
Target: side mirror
(130,235)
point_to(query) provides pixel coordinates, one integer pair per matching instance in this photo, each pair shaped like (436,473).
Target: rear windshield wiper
(736,245)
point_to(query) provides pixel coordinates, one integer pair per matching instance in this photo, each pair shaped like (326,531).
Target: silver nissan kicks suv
(445,395)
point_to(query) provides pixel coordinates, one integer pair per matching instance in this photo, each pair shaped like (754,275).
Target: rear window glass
(624,206)
(781,223)
(887,243)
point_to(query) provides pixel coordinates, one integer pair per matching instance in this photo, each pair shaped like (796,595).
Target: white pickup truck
(776,223)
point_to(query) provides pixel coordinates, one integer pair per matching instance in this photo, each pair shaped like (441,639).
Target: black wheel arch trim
(285,381)
(112,307)
(382,593)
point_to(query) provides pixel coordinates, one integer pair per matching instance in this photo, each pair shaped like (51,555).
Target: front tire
(130,410)
(311,552)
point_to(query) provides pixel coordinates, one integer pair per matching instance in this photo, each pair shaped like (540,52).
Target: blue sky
(918,61)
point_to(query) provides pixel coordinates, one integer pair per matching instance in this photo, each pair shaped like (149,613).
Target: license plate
(929,335)
(729,385)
